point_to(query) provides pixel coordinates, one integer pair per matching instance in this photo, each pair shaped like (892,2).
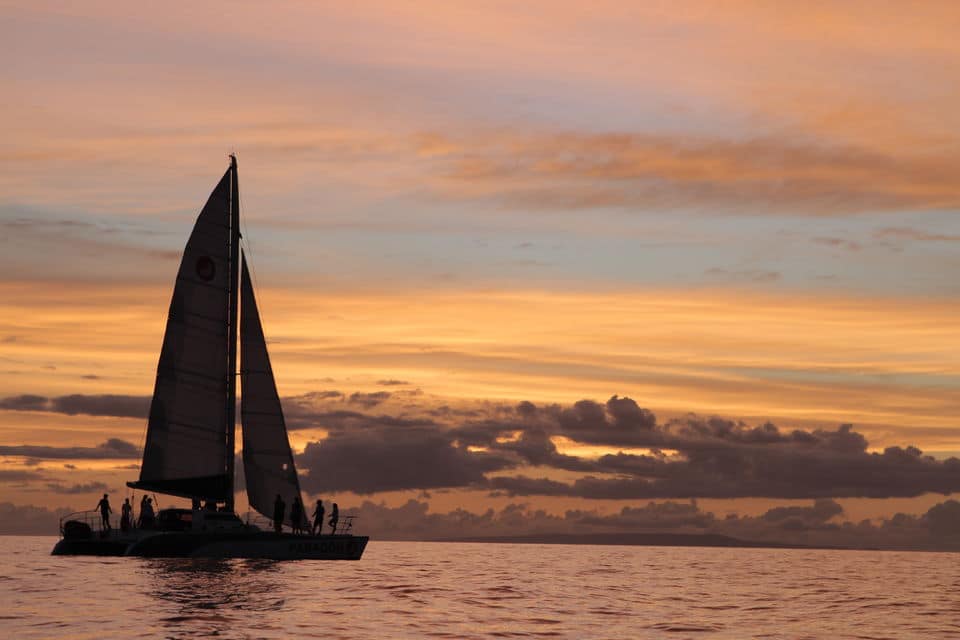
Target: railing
(344,524)
(93,520)
(90,518)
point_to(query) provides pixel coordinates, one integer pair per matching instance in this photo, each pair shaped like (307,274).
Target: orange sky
(746,209)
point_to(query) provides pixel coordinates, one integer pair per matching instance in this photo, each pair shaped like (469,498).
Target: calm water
(418,589)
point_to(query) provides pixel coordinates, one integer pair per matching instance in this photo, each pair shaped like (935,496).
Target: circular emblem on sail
(206,268)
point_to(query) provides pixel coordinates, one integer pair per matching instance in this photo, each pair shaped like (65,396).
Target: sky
(522,266)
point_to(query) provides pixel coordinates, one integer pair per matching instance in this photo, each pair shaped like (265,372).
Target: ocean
(473,590)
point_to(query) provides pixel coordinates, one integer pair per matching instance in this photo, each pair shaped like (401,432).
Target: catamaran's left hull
(221,545)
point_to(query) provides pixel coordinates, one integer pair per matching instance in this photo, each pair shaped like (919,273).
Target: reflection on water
(417,590)
(206,596)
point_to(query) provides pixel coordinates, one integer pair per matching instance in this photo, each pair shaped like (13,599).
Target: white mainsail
(189,435)
(267,459)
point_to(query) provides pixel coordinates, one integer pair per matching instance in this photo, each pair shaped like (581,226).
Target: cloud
(943,520)
(513,450)
(797,518)
(368,400)
(744,275)
(752,462)
(820,523)
(102,405)
(391,383)
(655,515)
(319,395)
(10,476)
(25,402)
(534,447)
(413,521)
(300,418)
(30,520)
(113,448)
(119,406)
(656,172)
(90,487)
(837,243)
(909,233)
(689,457)
(389,459)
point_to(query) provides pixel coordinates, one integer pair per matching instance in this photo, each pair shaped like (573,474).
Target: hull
(221,545)
(275,546)
(91,547)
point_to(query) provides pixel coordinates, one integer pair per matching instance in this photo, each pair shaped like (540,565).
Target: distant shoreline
(647,540)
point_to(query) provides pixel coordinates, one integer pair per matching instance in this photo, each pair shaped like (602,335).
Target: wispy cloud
(743,275)
(912,234)
(649,172)
(97,405)
(110,449)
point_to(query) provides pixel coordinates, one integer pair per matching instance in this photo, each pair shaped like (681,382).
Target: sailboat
(190,444)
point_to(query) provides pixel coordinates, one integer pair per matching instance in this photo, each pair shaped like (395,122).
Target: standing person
(296,515)
(105,511)
(318,519)
(146,513)
(334,518)
(126,512)
(279,508)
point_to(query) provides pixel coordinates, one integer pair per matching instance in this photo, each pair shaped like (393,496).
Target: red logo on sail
(206,268)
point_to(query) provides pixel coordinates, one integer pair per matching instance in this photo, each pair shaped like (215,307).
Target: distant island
(639,539)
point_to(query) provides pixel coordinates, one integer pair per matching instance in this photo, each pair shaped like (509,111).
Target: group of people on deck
(298,516)
(145,521)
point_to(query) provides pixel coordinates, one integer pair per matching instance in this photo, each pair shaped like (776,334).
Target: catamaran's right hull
(259,545)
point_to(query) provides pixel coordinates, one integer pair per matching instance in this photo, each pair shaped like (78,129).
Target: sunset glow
(455,210)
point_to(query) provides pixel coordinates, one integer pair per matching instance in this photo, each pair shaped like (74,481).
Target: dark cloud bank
(509,450)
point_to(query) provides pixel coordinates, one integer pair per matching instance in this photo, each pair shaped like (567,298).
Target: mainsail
(267,459)
(189,446)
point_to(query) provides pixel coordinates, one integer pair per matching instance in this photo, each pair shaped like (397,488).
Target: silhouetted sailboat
(190,443)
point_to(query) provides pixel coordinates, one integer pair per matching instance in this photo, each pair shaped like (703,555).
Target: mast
(234,253)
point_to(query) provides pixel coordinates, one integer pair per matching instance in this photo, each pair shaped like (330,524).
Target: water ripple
(418,590)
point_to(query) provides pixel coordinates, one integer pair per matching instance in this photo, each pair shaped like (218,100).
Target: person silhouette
(126,511)
(146,513)
(279,508)
(105,511)
(334,518)
(296,515)
(318,518)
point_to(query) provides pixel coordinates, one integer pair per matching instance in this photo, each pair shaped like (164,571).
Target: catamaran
(190,443)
